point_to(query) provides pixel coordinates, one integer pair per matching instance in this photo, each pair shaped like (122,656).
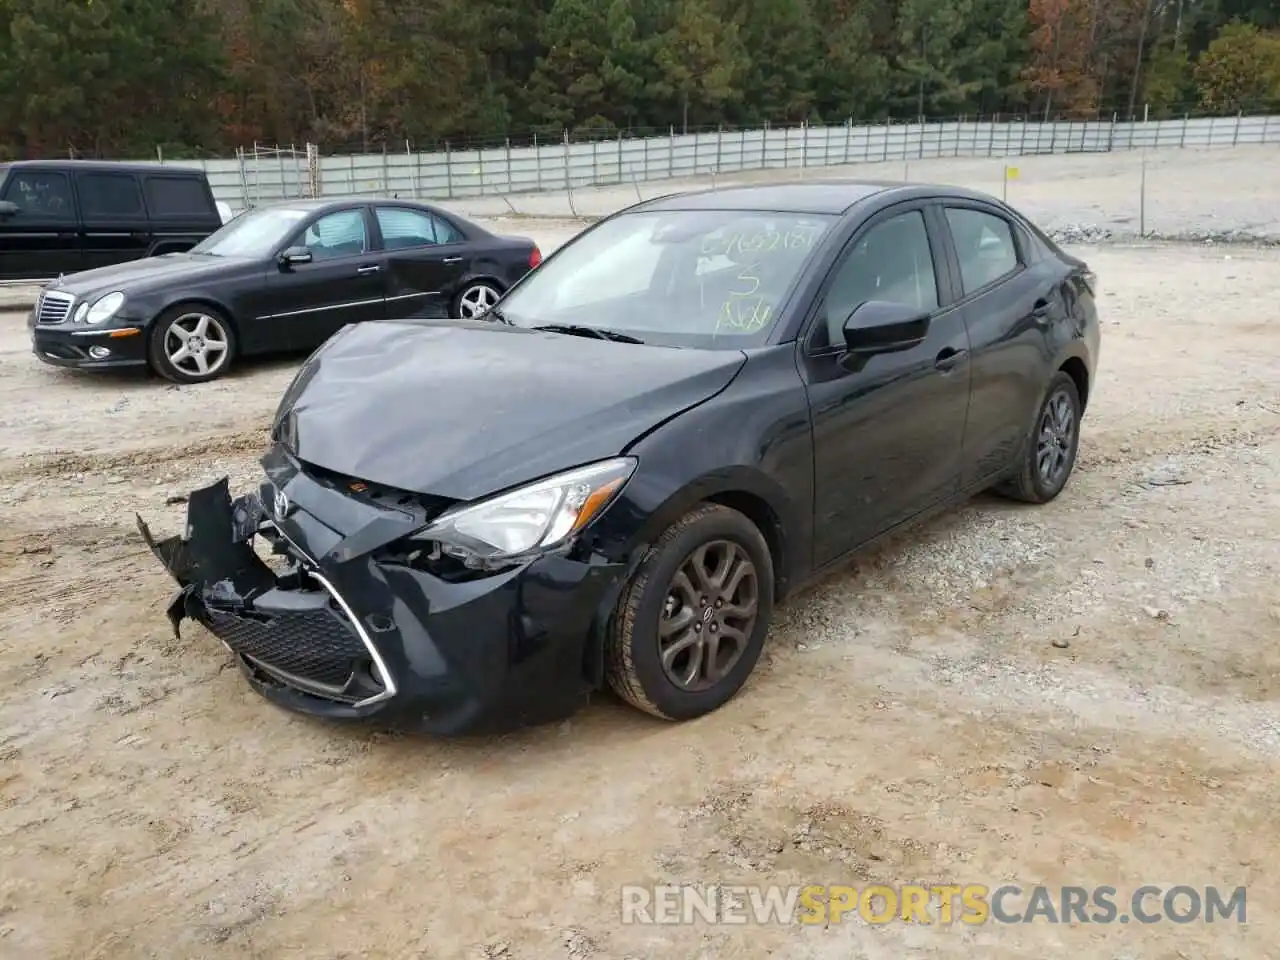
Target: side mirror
(8,209)
(879,326)
(294,256)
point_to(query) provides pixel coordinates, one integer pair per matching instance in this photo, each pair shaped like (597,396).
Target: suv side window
(984,245)
(412,228)
(42,194)
(169,196)
(892,262)
(110,196)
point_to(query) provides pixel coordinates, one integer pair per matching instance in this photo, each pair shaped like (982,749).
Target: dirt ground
(913,719)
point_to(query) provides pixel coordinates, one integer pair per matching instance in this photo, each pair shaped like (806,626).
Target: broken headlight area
(289,623)
(515,527)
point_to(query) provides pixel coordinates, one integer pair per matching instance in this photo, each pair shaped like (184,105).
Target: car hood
(462,409)
(135,275)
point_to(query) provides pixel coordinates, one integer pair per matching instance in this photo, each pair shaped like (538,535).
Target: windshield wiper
(580,330)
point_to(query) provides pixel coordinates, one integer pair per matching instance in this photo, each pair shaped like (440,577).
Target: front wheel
(690,625)
(192,344)
(475,300)
(1050,453)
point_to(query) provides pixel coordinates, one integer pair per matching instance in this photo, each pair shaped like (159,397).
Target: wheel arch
(742,489)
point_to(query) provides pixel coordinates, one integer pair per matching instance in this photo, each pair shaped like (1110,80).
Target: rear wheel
(1051,448)
(192,344)
(475,300)
(690,625)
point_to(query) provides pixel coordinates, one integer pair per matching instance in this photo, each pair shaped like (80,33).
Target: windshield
(255,233)
(700,278)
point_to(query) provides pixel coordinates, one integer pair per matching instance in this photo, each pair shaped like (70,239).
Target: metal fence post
(448,170)
(887,122)
(480,167)
(1142,198)
(764,141)
(804,148)
(417,170)
(719,144)
(1266,124)
(386,173)
(1210,143)
(1186,118)
(537,163)
(671,151)
(509,188)
(619,156)
(313,170)
(244,177)
(1235,136)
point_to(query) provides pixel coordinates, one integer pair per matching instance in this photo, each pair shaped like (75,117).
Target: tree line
(201,77)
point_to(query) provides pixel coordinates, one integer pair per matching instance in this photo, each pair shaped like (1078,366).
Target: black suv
(62,216)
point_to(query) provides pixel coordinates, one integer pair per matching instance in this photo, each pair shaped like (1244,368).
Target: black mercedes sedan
(691,409)
(278,278)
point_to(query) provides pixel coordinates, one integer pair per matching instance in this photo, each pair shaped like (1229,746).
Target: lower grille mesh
(314,645)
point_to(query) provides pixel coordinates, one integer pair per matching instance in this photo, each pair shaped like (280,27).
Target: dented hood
(463,409)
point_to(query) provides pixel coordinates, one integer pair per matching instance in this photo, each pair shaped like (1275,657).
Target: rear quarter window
(169,196)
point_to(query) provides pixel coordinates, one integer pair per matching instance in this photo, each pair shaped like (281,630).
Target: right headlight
(530,519)
(105,308)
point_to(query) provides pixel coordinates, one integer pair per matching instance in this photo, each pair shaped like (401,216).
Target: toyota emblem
(280,505)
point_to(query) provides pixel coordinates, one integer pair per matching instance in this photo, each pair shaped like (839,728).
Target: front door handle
(1041,309)
(949,358)
(452,260)
(365,271)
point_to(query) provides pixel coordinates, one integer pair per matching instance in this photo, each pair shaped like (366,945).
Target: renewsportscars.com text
(930,904)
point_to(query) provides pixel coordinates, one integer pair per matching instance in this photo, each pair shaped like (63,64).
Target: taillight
(535,257)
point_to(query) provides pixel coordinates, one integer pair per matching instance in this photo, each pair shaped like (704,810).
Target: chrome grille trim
(389,688)
(54,307)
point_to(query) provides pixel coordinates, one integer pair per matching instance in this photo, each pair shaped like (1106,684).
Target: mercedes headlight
(104,308)
(529,519)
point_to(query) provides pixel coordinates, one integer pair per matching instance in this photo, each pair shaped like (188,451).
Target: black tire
(187,315)
(633,656)
(460,309)
(1030,484)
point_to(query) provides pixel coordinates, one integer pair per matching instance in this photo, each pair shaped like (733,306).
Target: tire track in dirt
(60,464)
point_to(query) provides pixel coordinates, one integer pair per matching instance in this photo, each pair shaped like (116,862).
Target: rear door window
(177,197)
(985,246)
(412,228)
(110,196)
(41,194)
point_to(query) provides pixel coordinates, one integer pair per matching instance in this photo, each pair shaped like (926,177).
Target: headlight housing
(104,308)
(530,519)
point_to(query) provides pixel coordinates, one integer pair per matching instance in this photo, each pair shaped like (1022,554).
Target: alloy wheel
(197,344)
(1057,431)
(476,301)
(709,615)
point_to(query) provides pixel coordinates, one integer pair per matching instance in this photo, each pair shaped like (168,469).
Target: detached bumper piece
(289,628)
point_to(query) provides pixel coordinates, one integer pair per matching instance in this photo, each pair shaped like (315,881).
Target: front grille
(54,307)
(317,646)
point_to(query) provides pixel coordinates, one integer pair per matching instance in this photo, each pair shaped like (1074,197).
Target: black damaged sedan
(685,413)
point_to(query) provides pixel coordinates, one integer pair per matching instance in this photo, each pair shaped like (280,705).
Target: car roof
(831,197)
(106,166)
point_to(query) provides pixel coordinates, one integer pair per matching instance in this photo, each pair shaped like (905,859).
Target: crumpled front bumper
(339,631)
(289,626)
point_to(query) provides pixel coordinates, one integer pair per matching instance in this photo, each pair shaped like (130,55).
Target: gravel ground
(1083,693)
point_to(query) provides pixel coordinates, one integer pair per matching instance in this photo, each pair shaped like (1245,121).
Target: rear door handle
(365,271)
(949,358)
(452,260)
